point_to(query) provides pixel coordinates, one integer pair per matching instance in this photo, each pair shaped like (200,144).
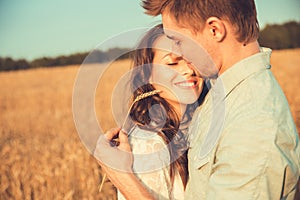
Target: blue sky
(31,29)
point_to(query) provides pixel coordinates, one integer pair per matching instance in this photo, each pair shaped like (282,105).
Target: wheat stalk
(138,98)
(102,182)
(145,95)
(126,124)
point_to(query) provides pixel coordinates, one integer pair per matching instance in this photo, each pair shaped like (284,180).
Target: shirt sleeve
(256,159)
(151,164)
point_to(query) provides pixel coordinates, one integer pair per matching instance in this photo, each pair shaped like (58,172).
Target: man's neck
(236,53)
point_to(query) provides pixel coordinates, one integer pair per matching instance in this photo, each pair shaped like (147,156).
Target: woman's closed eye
(172,63)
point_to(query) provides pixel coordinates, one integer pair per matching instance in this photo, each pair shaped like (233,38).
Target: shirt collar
(242,69)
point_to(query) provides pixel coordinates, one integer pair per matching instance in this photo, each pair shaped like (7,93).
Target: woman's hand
(116,161)
(112,157)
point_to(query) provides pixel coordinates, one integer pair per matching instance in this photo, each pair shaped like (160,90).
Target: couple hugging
(222,128)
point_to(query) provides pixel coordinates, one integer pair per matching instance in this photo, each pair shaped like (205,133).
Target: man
(255,152)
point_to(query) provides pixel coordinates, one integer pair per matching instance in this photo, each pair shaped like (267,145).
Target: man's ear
(217,28)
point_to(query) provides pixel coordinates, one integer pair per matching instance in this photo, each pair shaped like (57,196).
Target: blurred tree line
(285,36)
(275,36)
(96,56)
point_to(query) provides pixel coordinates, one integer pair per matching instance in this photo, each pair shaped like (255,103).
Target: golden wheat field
(41,154)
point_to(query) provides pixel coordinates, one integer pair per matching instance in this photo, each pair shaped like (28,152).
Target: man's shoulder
(258,90)
(259,101)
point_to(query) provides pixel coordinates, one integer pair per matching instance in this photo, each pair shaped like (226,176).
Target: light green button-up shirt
(243,141)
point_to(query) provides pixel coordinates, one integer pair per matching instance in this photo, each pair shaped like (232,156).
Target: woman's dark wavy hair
(165,117)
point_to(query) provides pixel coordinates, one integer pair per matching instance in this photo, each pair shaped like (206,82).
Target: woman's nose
(186,68)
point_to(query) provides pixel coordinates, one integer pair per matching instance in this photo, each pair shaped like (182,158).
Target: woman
(167,83)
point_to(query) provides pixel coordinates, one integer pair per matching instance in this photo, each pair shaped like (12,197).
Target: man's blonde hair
(193,14)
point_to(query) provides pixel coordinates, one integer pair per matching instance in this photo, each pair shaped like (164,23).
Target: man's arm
(116,162)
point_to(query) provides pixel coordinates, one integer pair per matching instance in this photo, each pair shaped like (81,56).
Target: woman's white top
(151,164)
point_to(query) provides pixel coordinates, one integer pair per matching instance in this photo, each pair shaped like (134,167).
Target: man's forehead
(169,23)
(174,30)
(167,19)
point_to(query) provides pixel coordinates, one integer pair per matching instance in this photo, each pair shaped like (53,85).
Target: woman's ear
(217,28)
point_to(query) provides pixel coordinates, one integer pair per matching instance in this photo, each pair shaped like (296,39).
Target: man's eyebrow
(174,38)
(171,37)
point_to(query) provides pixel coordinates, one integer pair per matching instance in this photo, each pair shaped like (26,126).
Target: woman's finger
(119,157)
(124,144)
(112,133)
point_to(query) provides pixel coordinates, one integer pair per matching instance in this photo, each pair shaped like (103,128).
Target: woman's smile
(187,84)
